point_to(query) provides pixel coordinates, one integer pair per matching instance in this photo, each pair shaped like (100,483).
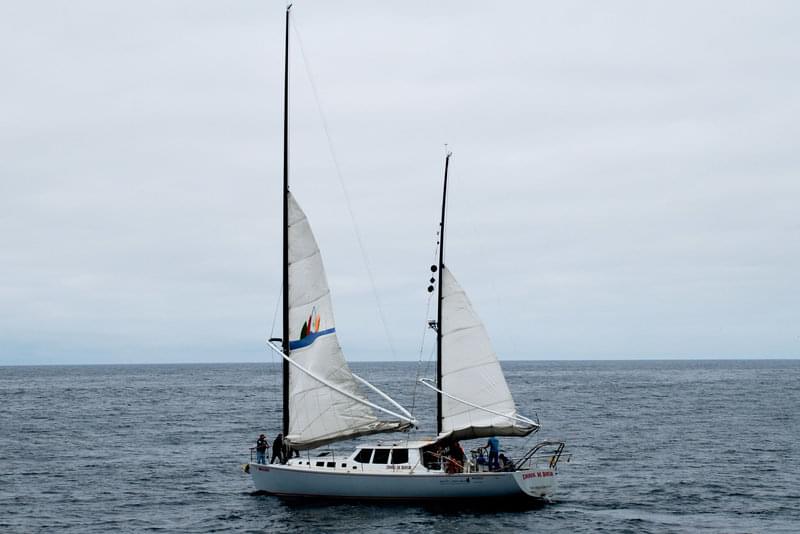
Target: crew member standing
(494,450)
(261,449)
(277,449)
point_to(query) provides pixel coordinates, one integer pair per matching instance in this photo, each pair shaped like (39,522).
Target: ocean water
(657,446)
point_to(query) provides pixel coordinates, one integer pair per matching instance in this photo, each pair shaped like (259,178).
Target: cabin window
(320,464)
(363,456)
(344,465)
(331,464)
(431,459)
(400,456)
(381,456)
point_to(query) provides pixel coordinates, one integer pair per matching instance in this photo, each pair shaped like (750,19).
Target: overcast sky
(625,177)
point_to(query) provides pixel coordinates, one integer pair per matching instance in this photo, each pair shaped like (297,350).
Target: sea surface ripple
(657,446)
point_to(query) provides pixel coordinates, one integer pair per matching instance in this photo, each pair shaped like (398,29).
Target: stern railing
(549,451)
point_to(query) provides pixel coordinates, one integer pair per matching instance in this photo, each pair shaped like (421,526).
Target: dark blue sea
(657,446)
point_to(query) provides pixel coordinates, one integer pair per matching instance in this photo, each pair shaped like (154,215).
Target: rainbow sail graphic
(310,331)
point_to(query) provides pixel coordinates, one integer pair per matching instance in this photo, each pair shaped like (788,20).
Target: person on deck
(494,451)
(457,454)
(261,449)
(505,463)
(277,450)
(481,459)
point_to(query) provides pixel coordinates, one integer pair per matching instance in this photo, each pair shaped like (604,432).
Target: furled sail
(319,413)
(476,400)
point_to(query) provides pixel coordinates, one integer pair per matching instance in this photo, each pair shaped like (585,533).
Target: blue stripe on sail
(309,339)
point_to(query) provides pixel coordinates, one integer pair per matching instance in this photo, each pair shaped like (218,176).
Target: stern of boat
(539,484)
(537,470)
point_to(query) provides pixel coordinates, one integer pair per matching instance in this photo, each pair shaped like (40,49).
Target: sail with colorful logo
(320,414)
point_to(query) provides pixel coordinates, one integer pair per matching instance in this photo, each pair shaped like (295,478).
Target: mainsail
(476,400)
(319,413)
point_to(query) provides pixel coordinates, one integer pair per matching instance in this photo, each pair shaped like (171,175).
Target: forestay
(476,401)
(318,413)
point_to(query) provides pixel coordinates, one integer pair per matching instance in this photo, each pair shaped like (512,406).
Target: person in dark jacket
(261,449)
(277,450)
(505,463)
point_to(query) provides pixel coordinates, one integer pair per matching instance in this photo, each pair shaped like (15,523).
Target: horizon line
(568,360)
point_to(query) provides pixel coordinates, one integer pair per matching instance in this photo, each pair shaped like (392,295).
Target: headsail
(319,413)
(471,375)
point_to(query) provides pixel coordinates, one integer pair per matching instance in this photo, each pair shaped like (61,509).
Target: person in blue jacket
(494,450)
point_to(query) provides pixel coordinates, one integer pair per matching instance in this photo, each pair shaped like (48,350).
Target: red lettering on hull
(537,474)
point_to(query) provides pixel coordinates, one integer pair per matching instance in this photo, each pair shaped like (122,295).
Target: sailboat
(323,403)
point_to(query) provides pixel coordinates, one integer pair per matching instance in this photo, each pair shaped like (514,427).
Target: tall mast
(285,338)
(439,303)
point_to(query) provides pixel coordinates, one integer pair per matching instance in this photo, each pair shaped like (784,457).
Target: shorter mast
(439,303)
(473,399)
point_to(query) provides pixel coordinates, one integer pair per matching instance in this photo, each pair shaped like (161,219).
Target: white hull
(300,481)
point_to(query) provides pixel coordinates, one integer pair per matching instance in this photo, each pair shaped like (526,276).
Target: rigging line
(421,348)
(531,435)
(364,256)
(424,333)
(275,375)
(275,315)
(480,244)
(431,355)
